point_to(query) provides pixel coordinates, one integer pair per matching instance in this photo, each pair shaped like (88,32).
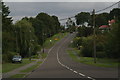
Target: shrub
(8,56)
(101,54)
(112,46)
(87,48)
(36,49)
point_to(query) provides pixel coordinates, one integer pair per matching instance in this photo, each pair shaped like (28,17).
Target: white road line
(71,69)
(90,78)
(65,65)
(68,68)
(75,71)
(47,55)
(81,74)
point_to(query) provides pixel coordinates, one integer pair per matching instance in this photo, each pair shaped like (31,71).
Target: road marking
(47,55)
(81,74)
(71,69)
(68,67)
(75,72)
(90,78)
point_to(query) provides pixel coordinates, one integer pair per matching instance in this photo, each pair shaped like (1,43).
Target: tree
(101,19)
(115,13)
(71,25)
(6,21)
(25,37)
(112,46)
(56,23)
(8,36)
(82,17)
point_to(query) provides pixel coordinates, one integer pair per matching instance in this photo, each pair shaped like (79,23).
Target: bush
(77,42)
(36,49)
(87,48)
(8,56)
(112,47)
(101,54)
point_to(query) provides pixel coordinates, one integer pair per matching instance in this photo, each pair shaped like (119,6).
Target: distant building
(107,27)
(111,22)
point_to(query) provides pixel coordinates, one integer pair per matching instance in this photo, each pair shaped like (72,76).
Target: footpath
(18,70)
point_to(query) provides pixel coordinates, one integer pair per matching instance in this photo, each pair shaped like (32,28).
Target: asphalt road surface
(59,64)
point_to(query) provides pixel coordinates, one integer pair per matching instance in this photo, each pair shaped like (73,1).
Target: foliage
(101,19)
(115,13)
(113,42)
(70,25)
(8,56)
(84,31)
(87,49)
(7,30)
(25,37)
(82,17)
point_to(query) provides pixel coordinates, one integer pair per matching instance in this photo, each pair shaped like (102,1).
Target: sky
(59,9)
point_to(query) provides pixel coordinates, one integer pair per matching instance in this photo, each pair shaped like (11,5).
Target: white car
(17,58)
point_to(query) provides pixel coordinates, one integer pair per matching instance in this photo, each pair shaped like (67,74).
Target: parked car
(17,58)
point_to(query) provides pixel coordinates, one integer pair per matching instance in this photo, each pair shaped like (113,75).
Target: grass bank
(18,76)
(6,67)
(32,67)
(51,41)
(101,62)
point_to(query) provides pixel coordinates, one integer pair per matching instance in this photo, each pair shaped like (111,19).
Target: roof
(103,26)
(112,21)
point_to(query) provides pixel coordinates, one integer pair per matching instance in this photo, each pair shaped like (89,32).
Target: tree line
(107,40)
(26,35)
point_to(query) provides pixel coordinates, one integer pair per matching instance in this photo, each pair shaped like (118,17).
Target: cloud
(60,9)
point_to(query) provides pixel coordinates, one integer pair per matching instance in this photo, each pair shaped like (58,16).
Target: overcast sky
(60,9)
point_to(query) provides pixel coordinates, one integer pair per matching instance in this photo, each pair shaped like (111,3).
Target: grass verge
(101,62)
(52,40)
(6,67)
(32,67)
(18,76)
(43,55)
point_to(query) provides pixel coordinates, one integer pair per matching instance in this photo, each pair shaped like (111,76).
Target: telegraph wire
(95,11)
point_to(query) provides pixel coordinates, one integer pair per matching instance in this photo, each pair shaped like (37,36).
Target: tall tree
(82,17)
(115,13)
(7,30)
(56,24)
(101,19)
(25,37)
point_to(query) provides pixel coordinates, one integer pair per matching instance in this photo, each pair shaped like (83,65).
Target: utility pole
(119,4)
(30,46)
(43,39)
(94,36)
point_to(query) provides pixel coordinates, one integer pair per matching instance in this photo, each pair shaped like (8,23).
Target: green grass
(32,67)
(0,68)
(6,67)
(101,62)
(58,36)
(43,55)
(35,56)
(18,76)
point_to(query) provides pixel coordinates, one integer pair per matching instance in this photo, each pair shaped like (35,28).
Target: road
(58,64)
